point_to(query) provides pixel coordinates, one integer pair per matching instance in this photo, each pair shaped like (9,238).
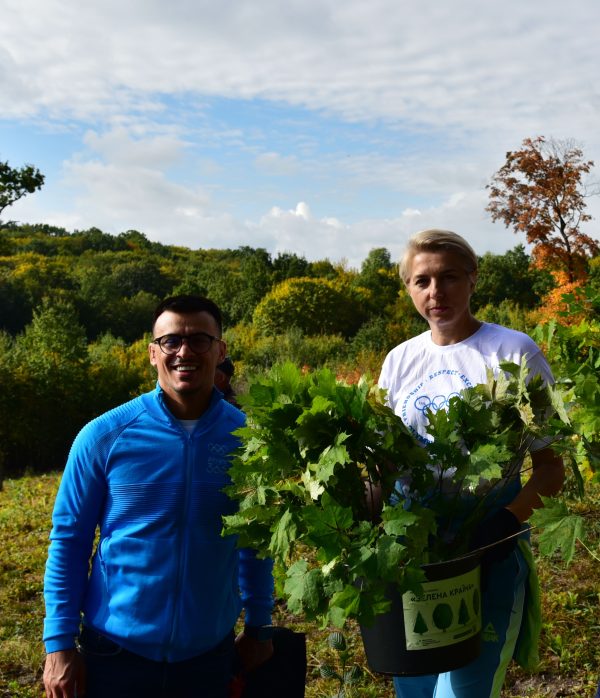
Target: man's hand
(64,675)
(252,652)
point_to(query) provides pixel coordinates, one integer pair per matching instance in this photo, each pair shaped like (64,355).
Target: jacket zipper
(183,541)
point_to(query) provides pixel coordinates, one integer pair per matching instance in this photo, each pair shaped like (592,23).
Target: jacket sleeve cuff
(257,616)
(63,642)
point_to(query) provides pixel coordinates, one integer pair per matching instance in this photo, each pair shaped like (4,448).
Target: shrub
(315,306)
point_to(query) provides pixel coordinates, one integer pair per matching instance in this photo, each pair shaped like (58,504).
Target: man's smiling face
(186,377)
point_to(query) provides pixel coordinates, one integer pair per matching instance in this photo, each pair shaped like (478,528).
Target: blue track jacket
(163,582)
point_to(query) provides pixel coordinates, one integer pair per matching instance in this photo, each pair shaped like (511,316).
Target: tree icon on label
(420,624)
(443,616)
(463,613)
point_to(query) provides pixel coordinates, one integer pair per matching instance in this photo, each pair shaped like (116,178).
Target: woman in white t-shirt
(439,269)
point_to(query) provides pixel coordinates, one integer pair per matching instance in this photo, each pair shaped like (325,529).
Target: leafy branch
(312,442)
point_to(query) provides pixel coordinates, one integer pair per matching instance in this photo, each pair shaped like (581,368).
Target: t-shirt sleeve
(539,366)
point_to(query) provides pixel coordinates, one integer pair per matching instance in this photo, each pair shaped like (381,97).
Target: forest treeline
(76,307)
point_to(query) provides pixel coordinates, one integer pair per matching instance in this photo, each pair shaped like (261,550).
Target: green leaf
(412,579)
(337,641)
(396,520)
(284,534)
(328,672)
(560,529)
(556,397)
(302,588)
(347,600)
(336,616)
(313,485)
(329,459)
(353,675)
(329,519)
(390,556)
(486,463)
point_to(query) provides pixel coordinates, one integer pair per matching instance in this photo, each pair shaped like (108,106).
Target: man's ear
(223,351)
(152,353)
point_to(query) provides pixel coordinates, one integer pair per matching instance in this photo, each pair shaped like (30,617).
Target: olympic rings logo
(439,402)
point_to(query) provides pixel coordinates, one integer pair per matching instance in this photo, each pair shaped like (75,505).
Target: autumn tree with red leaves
(539,191)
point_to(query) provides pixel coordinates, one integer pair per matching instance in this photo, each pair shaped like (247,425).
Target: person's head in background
(223,375)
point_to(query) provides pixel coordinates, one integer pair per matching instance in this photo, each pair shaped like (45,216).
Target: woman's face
(441,290)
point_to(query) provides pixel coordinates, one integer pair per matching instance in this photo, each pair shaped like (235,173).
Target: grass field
(570,649)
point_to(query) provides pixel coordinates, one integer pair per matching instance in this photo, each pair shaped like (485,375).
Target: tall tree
(380,275)
(50,391)
(15,183)
(540,191)
(510,277)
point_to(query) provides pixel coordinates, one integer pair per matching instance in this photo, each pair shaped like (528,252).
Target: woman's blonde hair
(433,241)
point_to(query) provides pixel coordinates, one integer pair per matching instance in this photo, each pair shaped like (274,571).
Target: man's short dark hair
(187,303)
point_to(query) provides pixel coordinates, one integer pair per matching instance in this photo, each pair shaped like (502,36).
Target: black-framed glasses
(199,342)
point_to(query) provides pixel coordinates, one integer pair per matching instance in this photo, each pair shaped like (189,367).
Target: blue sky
(315,127)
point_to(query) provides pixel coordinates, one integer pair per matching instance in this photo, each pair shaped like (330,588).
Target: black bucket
(436,632)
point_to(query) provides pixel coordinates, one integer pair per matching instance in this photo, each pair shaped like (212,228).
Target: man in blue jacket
(153,615)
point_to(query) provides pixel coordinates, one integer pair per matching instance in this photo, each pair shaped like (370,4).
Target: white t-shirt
(189,424)
(419,374)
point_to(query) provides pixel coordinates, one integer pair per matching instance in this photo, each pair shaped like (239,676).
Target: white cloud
(485,67)
(459,83)
(121,148)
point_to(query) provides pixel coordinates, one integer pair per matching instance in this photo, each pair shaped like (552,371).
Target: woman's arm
(546,479)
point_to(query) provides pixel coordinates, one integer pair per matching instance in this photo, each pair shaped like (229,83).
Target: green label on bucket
(447,612)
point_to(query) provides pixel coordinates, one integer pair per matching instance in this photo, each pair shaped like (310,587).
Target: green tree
(378,259)
(379,335)
(25,279)
(510,277)
(95,239)
(218,278)
(323,269)
(41,276)
(315,306)
(119,290)
(404,319)
(256,272)
(594,274)
(7,380)
(235,279)
(256,351)
(16,183)
(507,313)
(289,266)
(50,398)
(131,318)
(138,242)
(141,273)
(380,276)
(15,308)
(118,371)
